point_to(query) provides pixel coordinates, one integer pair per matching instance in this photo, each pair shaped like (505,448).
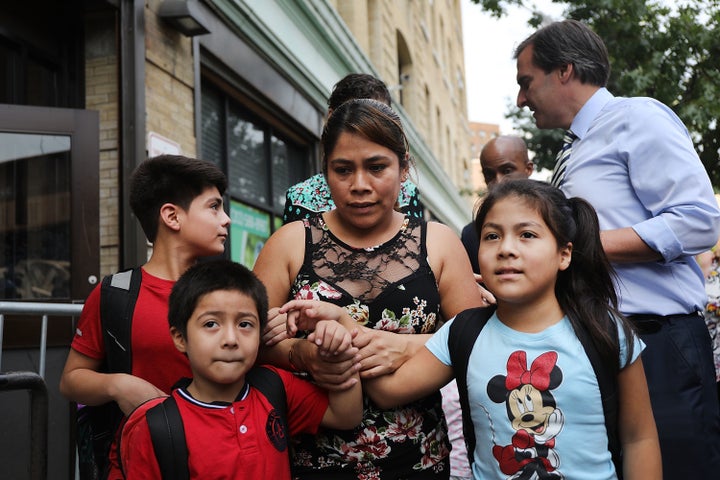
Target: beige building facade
(416,46)
(480,134)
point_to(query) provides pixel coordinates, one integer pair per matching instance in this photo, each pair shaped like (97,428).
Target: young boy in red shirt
(217,313)
(178,202)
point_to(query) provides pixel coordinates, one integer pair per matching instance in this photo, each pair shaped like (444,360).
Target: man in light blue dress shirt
(634,161)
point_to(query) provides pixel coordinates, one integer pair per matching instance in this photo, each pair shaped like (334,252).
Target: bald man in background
(501,158)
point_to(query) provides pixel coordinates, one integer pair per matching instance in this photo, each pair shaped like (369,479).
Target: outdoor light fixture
(184,16)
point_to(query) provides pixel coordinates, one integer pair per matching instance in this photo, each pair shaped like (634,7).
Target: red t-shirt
(154,356)
(227,441)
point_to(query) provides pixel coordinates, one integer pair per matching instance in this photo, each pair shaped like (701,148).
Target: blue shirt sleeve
(438,343)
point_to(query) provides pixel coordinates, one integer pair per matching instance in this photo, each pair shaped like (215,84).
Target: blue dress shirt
(635,163)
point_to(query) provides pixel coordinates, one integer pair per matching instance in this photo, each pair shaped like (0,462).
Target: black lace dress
(388,287)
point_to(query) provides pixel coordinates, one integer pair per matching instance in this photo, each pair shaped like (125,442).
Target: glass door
(49,215)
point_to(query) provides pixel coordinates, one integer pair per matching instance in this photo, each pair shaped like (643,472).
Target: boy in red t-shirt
(217,313)
(178,202)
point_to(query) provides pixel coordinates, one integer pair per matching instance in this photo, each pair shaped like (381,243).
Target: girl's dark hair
(207,277)
(585,289)
(369,119)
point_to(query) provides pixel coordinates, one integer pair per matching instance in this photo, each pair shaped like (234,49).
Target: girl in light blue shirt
(534,399)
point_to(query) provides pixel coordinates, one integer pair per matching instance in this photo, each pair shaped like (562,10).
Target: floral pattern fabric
(712,311)
(312,195)
(389,287)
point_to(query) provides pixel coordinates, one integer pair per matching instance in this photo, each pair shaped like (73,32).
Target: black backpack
(168,434)
(96,426)
(465,330)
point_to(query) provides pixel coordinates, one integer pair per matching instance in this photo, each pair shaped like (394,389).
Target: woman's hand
(383,352)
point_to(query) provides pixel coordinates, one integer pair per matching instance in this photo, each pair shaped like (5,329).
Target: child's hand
(275,331)
(305,314)
(330,337)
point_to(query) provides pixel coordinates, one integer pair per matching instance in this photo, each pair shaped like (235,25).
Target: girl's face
(364,179)
(518,256)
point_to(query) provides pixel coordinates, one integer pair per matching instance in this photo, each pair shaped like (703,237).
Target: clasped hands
(326,354)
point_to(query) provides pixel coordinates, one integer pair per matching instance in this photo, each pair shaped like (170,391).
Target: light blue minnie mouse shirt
(535,403)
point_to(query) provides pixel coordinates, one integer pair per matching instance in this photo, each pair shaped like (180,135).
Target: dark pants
(681,377)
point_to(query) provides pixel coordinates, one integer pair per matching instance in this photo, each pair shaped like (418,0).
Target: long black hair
(585,289)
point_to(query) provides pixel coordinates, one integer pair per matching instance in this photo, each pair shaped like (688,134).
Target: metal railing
(38,416)
(36,308)
(34,382)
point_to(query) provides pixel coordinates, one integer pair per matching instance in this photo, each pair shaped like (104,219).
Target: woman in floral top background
(396,274)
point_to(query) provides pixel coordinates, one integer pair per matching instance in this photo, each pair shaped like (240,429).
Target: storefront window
(260,162)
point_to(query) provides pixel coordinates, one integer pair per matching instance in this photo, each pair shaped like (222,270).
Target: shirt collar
(584,118)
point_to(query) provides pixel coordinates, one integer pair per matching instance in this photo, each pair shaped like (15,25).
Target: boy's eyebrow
(243,313)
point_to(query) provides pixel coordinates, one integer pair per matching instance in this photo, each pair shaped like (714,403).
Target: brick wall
(169,81)
(102,95)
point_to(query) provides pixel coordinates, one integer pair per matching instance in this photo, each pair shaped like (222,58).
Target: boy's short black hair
(175,179)
(207,277)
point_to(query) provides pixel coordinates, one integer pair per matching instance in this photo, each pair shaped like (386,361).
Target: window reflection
(35,212)
(247,170)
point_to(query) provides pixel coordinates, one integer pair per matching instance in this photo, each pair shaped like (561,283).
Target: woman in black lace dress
(398,276)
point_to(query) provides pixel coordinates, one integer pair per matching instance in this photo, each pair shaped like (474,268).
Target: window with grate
(261,162)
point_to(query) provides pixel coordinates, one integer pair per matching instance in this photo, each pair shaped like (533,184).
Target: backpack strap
(168,439)
(269,383)
(608,384)
(97,426)
(118,295)
(464,330)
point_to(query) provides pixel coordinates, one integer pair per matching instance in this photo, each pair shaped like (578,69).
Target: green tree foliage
(668,50)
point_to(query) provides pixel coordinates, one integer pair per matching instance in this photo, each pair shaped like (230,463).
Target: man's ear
(178,339)
(566,72)
(529,167)
(169,215)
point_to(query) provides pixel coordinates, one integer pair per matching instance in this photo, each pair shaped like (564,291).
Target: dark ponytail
(584,290)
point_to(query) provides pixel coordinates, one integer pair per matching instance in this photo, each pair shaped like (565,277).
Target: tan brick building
(417,49)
